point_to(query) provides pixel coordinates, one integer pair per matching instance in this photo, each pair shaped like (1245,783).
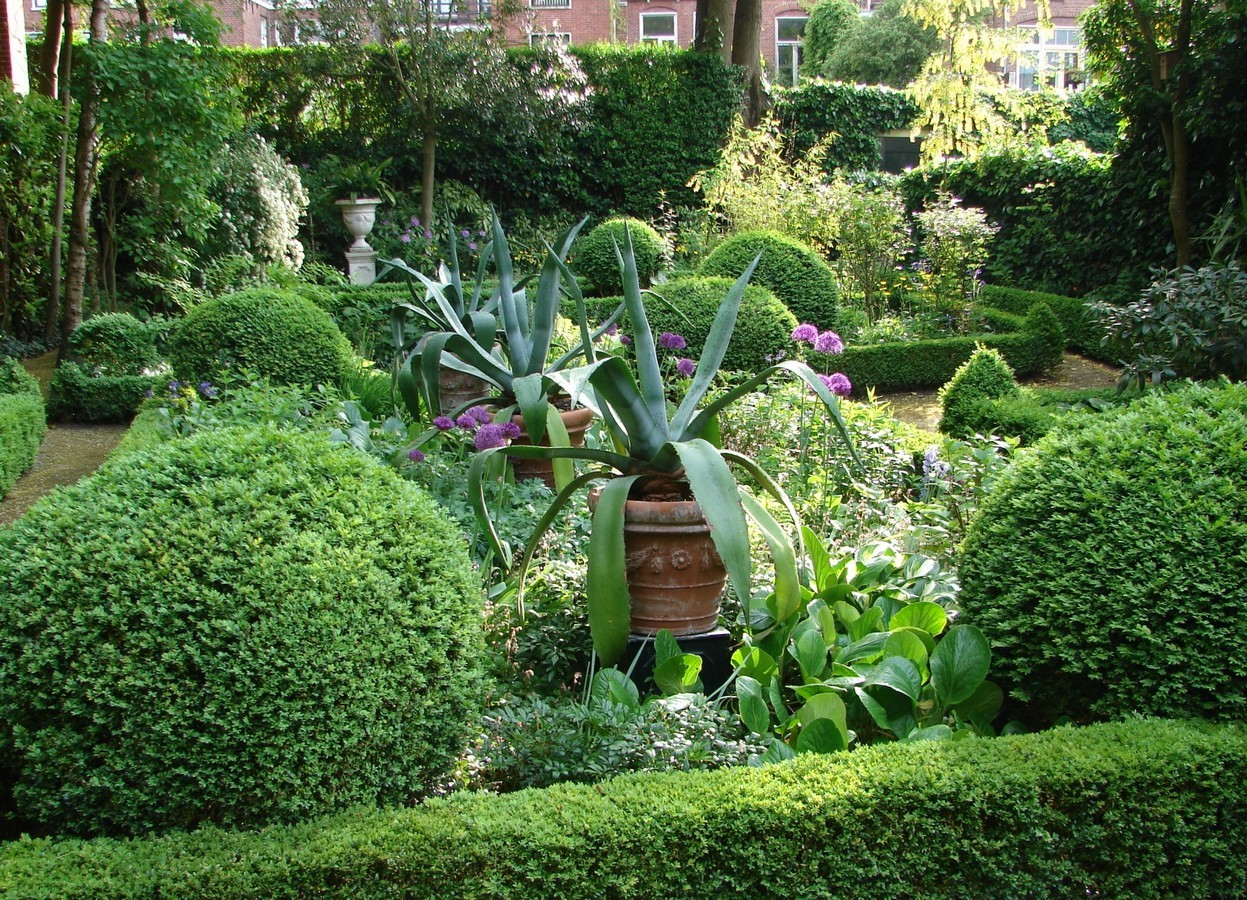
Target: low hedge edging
(1081,333)
(74,395)
(23,422)
(1141,809)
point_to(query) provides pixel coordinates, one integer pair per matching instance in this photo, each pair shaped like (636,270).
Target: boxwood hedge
(595,255)
(247,626)
(1082,334)
(74,394)
(1145,809)
(23,422)
(1107,564)
(795,272)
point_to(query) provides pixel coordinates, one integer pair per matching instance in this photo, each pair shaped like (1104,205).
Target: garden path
(68,452)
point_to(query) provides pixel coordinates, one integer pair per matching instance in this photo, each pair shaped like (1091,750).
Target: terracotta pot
(576,421)
(457,388)
(675,575)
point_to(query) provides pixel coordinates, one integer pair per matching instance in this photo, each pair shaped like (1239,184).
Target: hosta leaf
(898,674)
(868,649)
(613,686)
(755,663)
(867,623)
(753,709)
(959,664)
(924,614)
(908,645)
(983,705)
(678,674)
(811,654)
(822,736)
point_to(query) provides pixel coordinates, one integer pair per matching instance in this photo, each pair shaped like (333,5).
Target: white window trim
(795,44)
(674,39)
(538,38)
(38,4)
(549,4)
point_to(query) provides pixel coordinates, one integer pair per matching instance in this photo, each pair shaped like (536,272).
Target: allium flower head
(838,383)
(206,390)
(443,423)
(489,436)
(805,333)
(686,367)
(829,342)
(625,340)
(465,233)
(481,414)
(467,422)
(174,387)
(672,341)
(510,430)
(415,455)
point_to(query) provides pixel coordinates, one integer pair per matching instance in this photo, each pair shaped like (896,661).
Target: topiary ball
(115,344)
(984,377)
(595,255)
(1107,564)
(792,270)
(764,325)
(243,627)
(271,333)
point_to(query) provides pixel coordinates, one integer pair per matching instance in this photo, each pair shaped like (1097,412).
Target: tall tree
(714,23)
(747,53)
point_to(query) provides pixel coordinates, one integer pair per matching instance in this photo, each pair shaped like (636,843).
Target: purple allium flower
(805,333)
(467,422)
(510,430)
(465,233)
(406,237)
(428,234)
(612,329)
(207,390)
(489,436)
(838,383)
(932,465)
(415,455)
(481,233)
(148,392)
(686,367)
(481,414)
(174,387)
(415,221)
(829,342)
(625,340)
(443,423)
(671,341)
(472,245)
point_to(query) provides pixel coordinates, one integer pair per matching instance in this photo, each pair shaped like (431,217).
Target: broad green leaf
(756,663)
(924,614)
(921,634)
(753,709)
(787,584)
(868,649)
(825,706)
(983,705)
(868,622)
(846,613)
(613,686)
(563,469)
(777,751)
(826,619)
(908,645)
(887,607)
(822,736)
(606,580)
(820,563)
(959,664)
(806,691)
(939,732)
(715,490)
(678,674)
(897,673)
(665,647)
(811,654)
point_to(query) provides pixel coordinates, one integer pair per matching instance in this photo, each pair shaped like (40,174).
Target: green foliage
(1030,414)
(116,344)
(953,243)
(794,272)
(812,110)
(596,255)
(1119,539)
(983,377)
(1143,809)
(1080,330)
(1189,323)
(886,48)
(870,240)
(688,308)
(1042,322)
(262,202)
(74,394)
(830,22)
(328,659)
(29,148)
(23,422)
(363,314)
(271,333)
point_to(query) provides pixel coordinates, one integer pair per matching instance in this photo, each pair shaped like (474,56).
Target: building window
(658,28)
(550,4)
(1052,60)
(264,32)
(38,4)
(550,39)
(789,37)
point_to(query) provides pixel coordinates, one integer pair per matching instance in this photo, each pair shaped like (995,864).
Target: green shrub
(595,256)
(1043,323)
(243,627)
(275,334)
(985,376)
(797,275)
(75,395)
(763,329)
(1081,332)
(1108,563)
(1143,809)
(23,422)
(115,344)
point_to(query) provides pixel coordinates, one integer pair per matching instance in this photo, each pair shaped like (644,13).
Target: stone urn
(360,215)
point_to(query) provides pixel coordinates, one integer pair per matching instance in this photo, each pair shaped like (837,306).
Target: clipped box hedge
(22,425)
(74,395)
(1137,809)
(1082,334)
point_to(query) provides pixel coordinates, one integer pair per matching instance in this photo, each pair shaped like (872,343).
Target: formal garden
(579,552)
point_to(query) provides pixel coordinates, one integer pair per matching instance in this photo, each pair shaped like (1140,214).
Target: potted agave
(665,473)
(523,380)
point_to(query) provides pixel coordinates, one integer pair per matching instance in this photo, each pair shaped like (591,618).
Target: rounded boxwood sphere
(276,334)
(763,327)
(792,270)
(115,344)
(595,254)
(244,627)
(1107,565)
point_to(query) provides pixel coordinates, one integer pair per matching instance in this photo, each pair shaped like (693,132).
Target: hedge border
(1146,808)
(23,423)
(75,396)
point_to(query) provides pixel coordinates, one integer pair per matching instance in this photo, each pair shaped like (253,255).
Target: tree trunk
(52,315)
(747,52)
(50,52)
(714,27)
(84,184)
(428,175)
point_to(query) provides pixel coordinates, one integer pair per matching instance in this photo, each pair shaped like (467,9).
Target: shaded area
(922,408)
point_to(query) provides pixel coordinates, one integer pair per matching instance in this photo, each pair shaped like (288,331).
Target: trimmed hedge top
(243,627)
(595,257)
(275,334)
(1108,563)
(795,272)
(1143,809)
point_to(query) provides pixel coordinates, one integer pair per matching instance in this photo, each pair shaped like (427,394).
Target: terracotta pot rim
(675,512)
(572,418)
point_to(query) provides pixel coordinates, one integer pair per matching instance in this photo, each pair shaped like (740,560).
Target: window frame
(673,39)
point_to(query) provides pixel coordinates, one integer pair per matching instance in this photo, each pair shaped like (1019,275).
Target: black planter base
(714,648)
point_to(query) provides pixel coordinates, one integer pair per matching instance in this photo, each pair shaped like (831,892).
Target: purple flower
(686,367)
(174,387)
(415,221)
(467,422)
(491,435)
(443,423)
(465,233)
(481,414)
(625,340)
(829,342)
(428,235)
(207,390)
(838,383)
(415,455)
(406,237)
(671,341)
(472,245)
(805,333)
(148,392)
(511,431)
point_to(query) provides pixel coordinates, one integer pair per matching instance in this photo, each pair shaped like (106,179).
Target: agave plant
(652,443)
